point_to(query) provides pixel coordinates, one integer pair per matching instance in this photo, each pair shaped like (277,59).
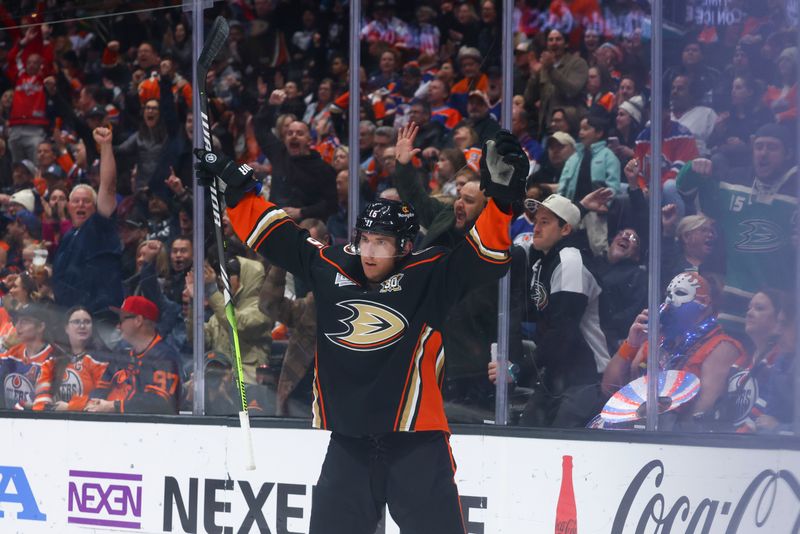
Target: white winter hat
(24,198)
(634,107)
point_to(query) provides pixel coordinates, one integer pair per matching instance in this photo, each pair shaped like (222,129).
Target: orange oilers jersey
(19,371)
(379,360)
(83,376)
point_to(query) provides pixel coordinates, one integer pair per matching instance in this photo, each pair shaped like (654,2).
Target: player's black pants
(411,471)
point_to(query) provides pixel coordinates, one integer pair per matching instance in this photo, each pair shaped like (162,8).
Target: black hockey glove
(504,169)
(237,179)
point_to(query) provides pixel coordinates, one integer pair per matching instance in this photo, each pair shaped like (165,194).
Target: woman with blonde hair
(691,244)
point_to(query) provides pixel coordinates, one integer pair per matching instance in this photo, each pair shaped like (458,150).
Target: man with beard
(180,262)
(755,209)
(478,116)
(302,184)
(403,94)
(472,324)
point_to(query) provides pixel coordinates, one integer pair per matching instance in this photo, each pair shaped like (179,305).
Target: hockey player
(379,362)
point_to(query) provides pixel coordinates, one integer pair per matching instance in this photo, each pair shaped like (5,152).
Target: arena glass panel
(581,279)
(97,208)
(714,257)
(728,240)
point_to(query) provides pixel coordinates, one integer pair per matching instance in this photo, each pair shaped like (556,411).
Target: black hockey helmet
(388,217)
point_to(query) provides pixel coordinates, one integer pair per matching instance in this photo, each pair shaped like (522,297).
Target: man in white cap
(571,352)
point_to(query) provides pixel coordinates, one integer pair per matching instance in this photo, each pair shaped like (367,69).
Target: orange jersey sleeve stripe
(423,261)
(485,230)
(252,217)
(430,414)
(402,410)
(320,418)
(334,264)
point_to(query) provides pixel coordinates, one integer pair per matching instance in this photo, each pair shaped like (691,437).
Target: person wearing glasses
(148,380)
(624,282)
(69,378)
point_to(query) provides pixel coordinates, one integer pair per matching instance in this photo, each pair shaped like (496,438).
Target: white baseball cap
(562,207)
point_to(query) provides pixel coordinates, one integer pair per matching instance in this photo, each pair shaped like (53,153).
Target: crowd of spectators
(96,189)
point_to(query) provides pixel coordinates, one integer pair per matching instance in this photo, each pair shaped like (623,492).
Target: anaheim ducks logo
(539,295)
(370,326)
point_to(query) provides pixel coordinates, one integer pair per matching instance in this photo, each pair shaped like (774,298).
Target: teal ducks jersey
(757,224)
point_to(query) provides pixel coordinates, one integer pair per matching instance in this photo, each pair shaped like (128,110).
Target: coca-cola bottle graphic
(566,514)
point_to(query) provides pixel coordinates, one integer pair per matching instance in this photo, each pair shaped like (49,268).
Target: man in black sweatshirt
(571,352)
(302,183)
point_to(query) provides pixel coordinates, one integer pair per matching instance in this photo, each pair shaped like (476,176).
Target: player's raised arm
(485,255)
(261,225)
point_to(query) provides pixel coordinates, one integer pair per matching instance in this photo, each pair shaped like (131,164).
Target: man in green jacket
(246,278)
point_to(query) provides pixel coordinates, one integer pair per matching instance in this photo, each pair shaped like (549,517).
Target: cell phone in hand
(613,142)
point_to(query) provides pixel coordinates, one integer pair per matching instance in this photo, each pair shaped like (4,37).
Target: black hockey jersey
(379,362)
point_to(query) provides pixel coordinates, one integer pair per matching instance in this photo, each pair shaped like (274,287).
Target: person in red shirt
(29,67)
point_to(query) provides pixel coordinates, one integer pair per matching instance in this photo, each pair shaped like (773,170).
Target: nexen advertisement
(133,477)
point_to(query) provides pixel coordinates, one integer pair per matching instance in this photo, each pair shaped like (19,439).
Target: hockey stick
(214,42)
